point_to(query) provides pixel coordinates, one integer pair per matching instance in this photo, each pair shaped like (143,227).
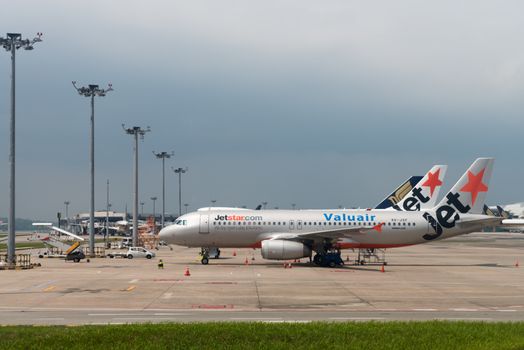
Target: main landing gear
(330,258)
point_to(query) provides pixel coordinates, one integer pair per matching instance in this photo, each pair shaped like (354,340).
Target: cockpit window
(181,222)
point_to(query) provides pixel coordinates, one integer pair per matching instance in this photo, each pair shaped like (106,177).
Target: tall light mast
(11,43)
(136,131)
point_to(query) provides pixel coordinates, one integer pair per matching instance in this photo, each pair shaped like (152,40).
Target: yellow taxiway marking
(49,289)
(130,288)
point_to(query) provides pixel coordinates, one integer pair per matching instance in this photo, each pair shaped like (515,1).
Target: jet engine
(282,250)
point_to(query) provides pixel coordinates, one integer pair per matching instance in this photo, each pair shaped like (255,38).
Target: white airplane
(399,199)
(295,234)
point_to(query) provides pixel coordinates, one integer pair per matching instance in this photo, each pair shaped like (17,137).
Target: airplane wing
(513,222)
(330,235)
(488,221)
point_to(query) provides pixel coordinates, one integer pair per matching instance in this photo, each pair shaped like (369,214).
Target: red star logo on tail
(474,185)
(433,181)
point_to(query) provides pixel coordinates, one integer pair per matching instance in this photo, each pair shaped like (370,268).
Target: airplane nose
(167,234)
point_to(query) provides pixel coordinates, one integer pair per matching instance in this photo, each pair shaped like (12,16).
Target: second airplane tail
(468,195)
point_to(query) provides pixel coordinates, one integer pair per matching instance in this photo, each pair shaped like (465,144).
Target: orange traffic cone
(186,272)
(517,263)
(382,268)
(234,253)
(246,262)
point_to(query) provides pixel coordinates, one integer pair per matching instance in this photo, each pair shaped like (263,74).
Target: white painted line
(504,310)
(133,281)
(151,318)
(116,314)
(256,318)
(288,321)
(464,309)
(170,314)
(357,318)
(424,310)
(386,309)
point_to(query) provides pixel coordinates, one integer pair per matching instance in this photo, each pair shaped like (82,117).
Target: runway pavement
(473,277)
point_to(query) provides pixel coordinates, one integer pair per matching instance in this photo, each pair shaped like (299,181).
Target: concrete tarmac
(471,277)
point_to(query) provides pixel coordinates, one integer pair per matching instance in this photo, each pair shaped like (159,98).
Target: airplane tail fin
(489,212)
(468,195)
(502,212)
(399,193)
(425,193)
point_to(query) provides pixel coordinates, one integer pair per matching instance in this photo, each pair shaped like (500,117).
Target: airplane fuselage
(235,228)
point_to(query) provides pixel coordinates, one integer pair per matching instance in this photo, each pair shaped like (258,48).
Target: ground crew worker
(160,264)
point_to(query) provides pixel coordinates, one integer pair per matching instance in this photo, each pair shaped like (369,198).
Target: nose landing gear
(204,253)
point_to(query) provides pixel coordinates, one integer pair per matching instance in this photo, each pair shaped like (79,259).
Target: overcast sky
(318,103)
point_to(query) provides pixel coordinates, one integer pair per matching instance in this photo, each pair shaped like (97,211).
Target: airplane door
(299,225)
(204,223)
(291,225)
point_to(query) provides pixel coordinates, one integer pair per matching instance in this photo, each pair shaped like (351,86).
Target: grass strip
(230,335)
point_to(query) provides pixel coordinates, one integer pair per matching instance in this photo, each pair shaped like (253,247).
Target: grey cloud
(299,101)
